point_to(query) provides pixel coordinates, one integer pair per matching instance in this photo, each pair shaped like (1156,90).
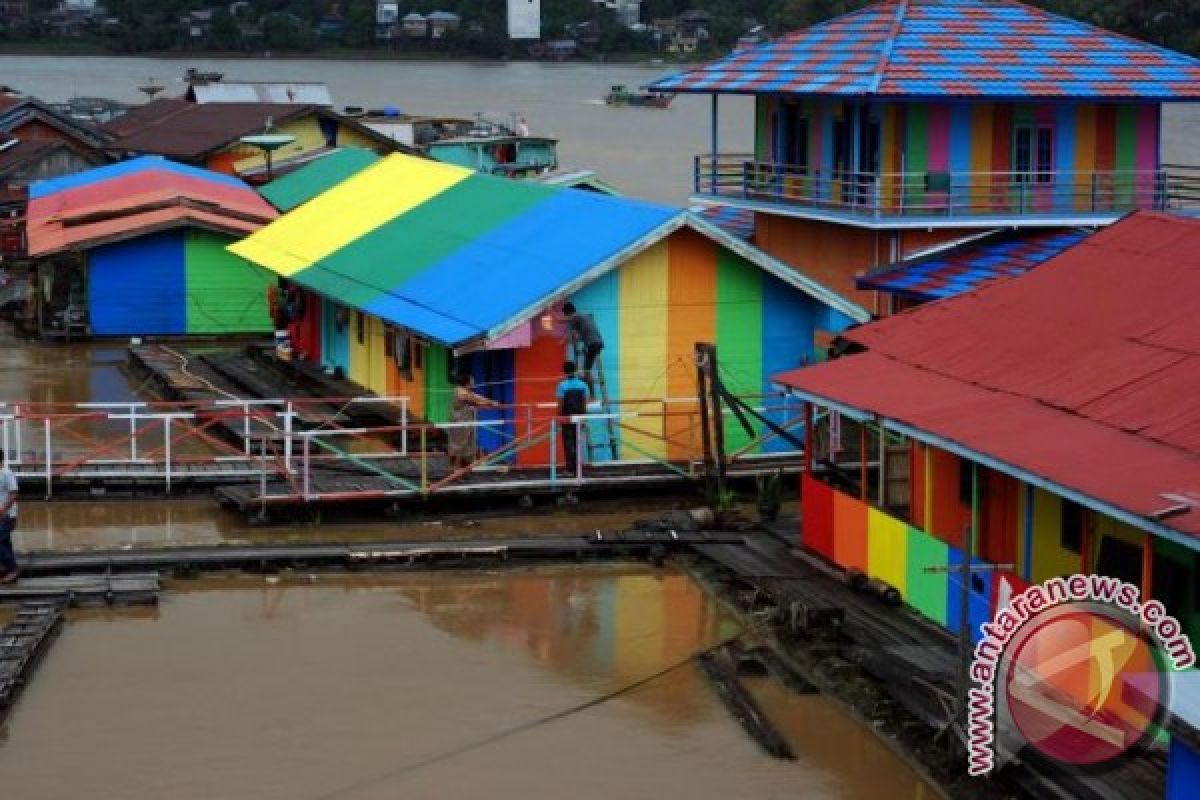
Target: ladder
(599,390)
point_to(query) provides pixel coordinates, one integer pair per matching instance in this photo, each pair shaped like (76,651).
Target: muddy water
(63,373)
(426,686)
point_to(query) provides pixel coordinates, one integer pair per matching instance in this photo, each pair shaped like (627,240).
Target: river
(420,686)
(644,153)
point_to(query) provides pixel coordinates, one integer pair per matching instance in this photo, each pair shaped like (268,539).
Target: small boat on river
(622,96)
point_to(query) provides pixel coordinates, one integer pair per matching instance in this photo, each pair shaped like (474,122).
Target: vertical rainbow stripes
(964,137)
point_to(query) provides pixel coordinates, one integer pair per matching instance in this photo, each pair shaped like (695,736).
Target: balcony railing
(924,195)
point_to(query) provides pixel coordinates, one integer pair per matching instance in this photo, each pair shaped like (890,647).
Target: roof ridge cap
(885,56)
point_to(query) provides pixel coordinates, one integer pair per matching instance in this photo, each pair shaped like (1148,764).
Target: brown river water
(439,685)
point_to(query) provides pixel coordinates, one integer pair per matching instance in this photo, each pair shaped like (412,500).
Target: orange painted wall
(540,368)
(691,318)
(834,254)
(223,162)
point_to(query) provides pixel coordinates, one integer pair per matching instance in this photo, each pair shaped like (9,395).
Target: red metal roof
(135,198)
(1084,372)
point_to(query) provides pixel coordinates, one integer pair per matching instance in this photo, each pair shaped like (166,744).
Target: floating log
(741,704)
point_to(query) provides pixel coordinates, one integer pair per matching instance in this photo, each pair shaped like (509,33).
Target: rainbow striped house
(916,123)
(418,270)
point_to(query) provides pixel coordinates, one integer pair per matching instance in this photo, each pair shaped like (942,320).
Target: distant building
(387,19)
(300,92)
(209,134)
(441,22)
(525,19)
(14,10)
(414,25)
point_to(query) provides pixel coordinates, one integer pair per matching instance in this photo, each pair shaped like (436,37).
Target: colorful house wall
(974,137)
(312,133)
(1019,524)
(651,311)
(173,283)
(958,137)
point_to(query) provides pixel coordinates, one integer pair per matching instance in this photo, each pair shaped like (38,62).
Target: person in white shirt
(8,521)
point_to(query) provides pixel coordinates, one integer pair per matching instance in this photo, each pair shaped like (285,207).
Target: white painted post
(167,449)
(403,426)
(287,438)
(49,461)
(132,432)
(246,428)
(4,433)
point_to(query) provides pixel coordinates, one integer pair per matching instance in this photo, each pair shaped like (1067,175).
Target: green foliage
(290,24)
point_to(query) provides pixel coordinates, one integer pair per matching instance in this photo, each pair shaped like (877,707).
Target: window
(417,357)
(1170,585)
(1071,535)
(1119,559)
(792,147)
(360,327)
(389,341)
(1033,153)
(965,488)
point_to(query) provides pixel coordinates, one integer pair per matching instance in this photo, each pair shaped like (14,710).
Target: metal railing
(291,447)
(883,195)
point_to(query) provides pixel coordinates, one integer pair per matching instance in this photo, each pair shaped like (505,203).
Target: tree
(225,34)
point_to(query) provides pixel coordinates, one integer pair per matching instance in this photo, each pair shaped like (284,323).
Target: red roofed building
(1053,416)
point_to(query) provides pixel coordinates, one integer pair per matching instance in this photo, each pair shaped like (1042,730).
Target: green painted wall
(437,383)
(739,334)
(225,294)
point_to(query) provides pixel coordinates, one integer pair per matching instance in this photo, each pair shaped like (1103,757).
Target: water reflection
(433,685)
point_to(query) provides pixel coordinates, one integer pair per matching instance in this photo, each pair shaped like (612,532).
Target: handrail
(950,193)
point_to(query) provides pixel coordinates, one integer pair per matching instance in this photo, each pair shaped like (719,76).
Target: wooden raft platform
(75,590)
(23,642)
(384,555)
(346,483)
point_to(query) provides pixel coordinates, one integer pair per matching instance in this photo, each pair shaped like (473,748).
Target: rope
(525,727)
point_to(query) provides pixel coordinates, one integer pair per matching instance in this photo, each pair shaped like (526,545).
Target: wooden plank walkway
(75,590)
(23,643)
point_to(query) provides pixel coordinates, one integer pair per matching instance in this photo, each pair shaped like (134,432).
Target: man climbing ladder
(583,331)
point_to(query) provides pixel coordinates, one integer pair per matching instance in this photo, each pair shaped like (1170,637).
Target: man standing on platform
(8,521)
(572,395)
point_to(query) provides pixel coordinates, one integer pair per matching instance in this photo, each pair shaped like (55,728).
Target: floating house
(417,270)
(1046,437)
(915,123)
(498,153)
(139,249)
(210,134)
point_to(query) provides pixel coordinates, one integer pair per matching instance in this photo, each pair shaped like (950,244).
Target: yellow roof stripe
(355,207)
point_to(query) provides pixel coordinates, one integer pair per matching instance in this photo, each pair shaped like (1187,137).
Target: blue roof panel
(124,168)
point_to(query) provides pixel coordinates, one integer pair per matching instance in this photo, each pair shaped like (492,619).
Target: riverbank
(85,48)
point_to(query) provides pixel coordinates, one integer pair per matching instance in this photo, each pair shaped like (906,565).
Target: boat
(621,96)
(194,76)
(508,154)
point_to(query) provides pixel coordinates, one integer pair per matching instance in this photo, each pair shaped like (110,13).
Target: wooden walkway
(23,642)
(77,590)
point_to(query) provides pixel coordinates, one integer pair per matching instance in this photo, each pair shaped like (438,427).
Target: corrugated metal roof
(951,48)
(1083,373)
(321,175)
(314,94)
(175,127)
(968,266)
(456,255)
(134,198)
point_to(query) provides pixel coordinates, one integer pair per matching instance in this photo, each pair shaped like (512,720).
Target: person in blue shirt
(572,394)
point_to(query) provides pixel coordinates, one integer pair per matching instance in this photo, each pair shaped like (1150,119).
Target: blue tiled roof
(950,48)
(969,266)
